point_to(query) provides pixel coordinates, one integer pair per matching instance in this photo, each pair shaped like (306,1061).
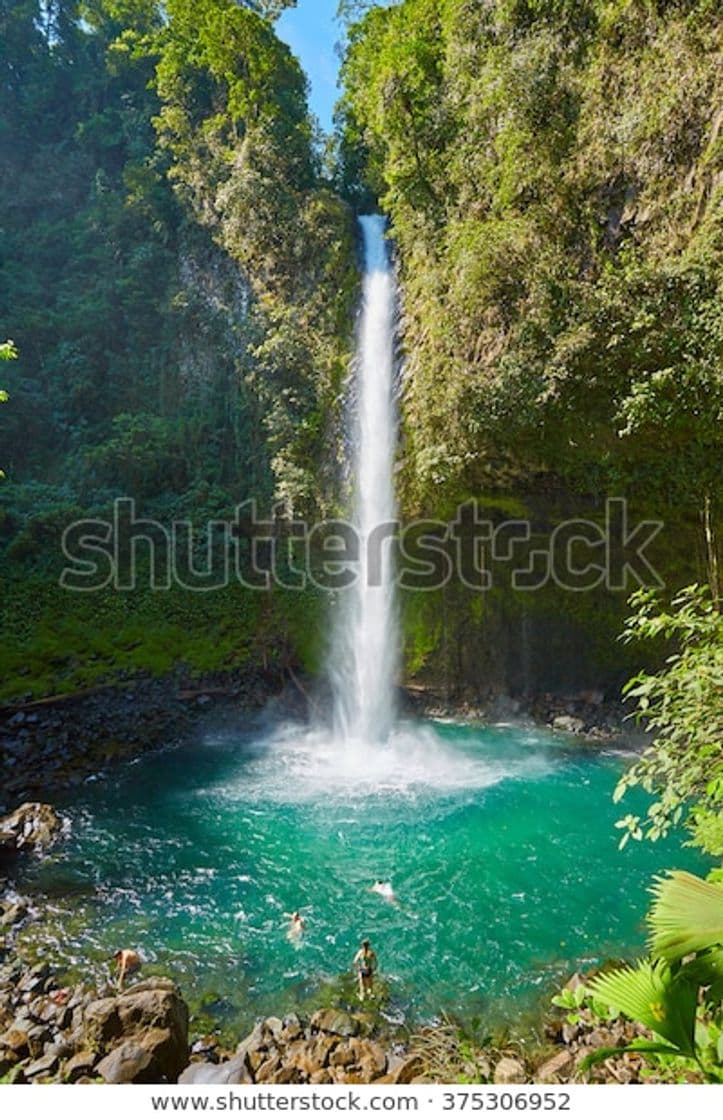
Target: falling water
(364,659)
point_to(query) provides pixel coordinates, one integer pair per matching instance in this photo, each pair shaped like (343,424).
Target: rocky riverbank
(55,743)
(55,1034)
(588,715)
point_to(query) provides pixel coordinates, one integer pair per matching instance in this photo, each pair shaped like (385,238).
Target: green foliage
(551,171)
(682,705)
(677,995)
(687,916)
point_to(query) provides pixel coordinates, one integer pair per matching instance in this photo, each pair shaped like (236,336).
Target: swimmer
(297,925)
(385,890)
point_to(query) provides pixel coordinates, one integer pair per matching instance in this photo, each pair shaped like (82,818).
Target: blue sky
(311,31)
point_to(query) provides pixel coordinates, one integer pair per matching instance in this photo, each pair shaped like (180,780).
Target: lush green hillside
(554,176)
(179,281)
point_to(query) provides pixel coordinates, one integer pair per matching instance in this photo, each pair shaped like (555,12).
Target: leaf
(687,916)
(650,995)
(643,1046)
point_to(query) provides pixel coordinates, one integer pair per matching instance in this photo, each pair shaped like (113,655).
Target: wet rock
(32,825)
(555,1068)
(331,1021)
(572,725)
(509,1071)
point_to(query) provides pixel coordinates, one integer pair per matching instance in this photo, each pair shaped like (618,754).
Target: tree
(683,707)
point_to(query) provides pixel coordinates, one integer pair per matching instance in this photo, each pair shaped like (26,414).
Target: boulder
(80,1065)
(32,825)
(509,1071)
(331,1021)
(267,1070)
(233,1072)
(42,1067)
(12,914)
(402,1072)
(555,1068)
(16,1040)
(371,1060)
(150,1016)
(128,1063)
(569,724)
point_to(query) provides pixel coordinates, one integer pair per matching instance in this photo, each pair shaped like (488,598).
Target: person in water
(365,963)
(127,962)
(386,890)
(297,925)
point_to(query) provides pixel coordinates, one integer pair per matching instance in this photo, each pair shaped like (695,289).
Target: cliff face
(554,176)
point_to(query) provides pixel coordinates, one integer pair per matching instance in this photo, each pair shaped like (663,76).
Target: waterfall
(364,656)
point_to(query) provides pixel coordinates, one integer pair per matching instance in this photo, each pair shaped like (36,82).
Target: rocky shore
(55,743)
(54,1033)
(588,714)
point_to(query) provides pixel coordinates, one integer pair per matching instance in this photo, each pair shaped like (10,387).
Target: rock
(233,1072)
(404,1071)
(102,1021)
(273,1026)
(555,1068)
(44,1066)
(128,1063)
(265,1073)
(33,825)
(336,1022)
(17,1041)
(371,1060)
(287,1075)
(571,1032)
(569,724)
(38,1039)
(509,1071)
(150,1016)
(80,1065)
(13,915)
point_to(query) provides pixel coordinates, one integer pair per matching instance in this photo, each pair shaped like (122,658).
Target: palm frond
(649,994)
(643,1046)
(687,915)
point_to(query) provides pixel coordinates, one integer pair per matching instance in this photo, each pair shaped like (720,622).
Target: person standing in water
(365,963)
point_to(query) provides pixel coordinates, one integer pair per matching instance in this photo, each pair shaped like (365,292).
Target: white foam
(298,764)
